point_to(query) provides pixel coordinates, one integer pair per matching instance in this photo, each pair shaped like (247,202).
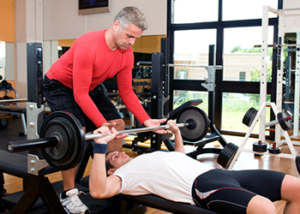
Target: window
(240,10)
(181,97)
(242,76)
(191,48)
(191,11)
(240,55)
(235,106)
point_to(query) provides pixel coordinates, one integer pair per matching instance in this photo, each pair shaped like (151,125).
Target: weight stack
(35,73)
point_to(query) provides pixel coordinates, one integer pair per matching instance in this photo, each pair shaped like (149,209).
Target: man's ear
(116,25)
(111,171)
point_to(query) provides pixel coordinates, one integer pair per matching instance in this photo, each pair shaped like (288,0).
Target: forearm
(178,143)
(97,180)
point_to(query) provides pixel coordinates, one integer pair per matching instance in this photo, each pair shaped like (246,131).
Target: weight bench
(153,201)
(16,164)
(19,111)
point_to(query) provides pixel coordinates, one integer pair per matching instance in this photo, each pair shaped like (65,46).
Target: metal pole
(93,136)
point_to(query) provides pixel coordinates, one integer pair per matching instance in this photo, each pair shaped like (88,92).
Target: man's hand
(156,122)
(173,128)
(108,132)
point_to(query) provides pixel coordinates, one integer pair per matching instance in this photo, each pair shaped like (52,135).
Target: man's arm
(100,185)
(177,134)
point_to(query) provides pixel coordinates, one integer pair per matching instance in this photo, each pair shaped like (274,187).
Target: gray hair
(132,15)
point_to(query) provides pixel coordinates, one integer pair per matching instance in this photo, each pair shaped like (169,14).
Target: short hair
(132,15)
(108,164)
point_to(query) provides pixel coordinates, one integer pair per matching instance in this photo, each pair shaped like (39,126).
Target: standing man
(72,85)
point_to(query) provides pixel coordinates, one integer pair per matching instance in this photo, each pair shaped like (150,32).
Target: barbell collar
(145,129)
(21,145)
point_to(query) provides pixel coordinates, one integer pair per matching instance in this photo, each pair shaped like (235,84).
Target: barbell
(283,119)
(62,139)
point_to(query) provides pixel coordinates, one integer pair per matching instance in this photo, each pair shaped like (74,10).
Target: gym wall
(61,19)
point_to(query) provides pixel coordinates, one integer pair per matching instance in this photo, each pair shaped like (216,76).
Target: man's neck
(109,40)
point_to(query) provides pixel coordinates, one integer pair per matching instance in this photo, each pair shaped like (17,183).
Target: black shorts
(61,98)
(226,191)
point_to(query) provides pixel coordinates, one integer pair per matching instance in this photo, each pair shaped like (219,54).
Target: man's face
(126,37)
(118,159)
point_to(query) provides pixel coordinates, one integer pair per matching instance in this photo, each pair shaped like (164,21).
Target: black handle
(26,145)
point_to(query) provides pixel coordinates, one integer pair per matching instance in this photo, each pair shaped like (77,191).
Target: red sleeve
(82,78)
(132,103)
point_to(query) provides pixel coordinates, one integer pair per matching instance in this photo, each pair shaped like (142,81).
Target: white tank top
(167,174)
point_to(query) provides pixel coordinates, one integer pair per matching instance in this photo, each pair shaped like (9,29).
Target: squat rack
(261,115)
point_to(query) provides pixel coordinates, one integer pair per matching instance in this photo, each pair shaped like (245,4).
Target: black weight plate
(298,163)
(227,154)
(285,124)
(60,130)
(200,123)
(249,116)
(65,126)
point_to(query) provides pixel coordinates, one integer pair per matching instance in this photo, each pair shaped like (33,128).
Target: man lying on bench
(179,178)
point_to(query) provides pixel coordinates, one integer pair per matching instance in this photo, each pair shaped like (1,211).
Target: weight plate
(249,116)
(285,124)
(60,130)
(298,163)
(198,120)
(227,154)
(70,148)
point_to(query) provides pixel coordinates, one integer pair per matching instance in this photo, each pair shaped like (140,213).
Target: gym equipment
(62,141)
(273,149)
(297,160)
(3,123)
(282,118)
(160,95)
(259,146)
(198,123)
(62,137)
(226,155)
(6,84)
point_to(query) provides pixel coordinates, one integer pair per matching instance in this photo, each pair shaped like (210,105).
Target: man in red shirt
(72,85)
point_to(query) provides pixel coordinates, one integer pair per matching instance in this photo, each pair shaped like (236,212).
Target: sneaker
(72,204)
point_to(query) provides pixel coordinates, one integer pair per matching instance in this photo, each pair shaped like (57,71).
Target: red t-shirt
(90,62)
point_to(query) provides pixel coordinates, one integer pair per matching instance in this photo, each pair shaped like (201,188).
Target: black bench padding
(12,109)
(16,164)
(159,203)
(166,205)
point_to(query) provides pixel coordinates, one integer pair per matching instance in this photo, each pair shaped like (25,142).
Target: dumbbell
(3,123)
(282,118)
(6,84)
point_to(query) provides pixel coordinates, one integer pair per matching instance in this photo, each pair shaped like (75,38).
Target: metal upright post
(297,89)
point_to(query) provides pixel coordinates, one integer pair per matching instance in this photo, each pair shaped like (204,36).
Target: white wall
(291,23)
(61,19)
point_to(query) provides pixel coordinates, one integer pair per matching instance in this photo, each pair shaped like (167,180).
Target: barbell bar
(138,130)
(282,118)
(143,63)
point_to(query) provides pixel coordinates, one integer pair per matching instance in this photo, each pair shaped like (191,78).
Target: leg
(68,177)
(290,191)
(260,205)
(60,98)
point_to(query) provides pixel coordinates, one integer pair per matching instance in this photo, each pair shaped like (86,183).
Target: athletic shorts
(61,98)
(226,191)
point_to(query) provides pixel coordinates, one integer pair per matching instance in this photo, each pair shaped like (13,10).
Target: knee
(120,124)
(260,205)
(268,208)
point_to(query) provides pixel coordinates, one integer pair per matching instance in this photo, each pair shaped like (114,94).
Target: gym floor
(245,161)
